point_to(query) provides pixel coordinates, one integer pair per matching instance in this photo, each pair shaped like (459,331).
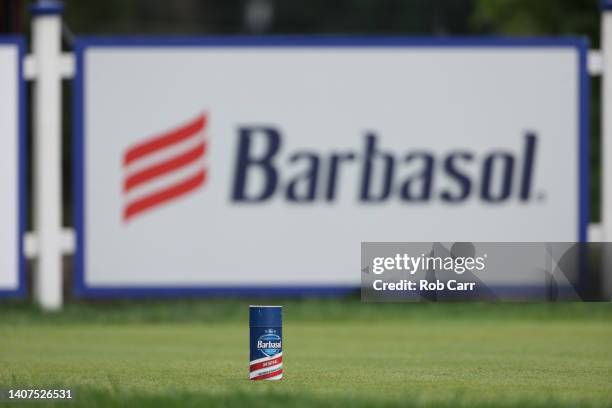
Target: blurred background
(312,17)
(341,17)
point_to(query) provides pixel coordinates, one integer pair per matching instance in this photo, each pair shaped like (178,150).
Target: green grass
(337,353)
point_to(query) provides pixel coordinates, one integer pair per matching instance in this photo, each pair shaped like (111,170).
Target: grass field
(336,353)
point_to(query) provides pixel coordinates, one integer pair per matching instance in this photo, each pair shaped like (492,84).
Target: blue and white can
(266,339)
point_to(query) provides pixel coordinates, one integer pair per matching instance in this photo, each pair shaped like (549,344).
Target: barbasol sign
(214,165)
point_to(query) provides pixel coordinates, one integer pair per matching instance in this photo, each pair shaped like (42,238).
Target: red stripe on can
(268,375)
(268,363)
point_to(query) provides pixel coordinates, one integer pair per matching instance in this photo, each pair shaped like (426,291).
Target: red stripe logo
(164,167)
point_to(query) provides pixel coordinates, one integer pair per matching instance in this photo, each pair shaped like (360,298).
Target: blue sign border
(83,43)
(20,291)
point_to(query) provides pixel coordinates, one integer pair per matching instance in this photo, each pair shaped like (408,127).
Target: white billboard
(12,188)
(205,165)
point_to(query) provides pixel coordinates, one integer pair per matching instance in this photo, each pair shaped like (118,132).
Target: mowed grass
(336,353)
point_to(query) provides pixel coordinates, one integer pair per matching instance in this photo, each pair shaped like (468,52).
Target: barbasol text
(411,175)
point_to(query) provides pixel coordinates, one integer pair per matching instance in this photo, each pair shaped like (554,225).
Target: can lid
(265,316)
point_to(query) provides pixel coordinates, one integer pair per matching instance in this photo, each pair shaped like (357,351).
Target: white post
(46,50)
(606,137)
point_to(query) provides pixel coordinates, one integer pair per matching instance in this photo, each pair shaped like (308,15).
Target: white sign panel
(11,161)
(210,164)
